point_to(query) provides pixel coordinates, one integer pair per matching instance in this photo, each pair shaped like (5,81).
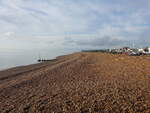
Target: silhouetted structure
(43,60)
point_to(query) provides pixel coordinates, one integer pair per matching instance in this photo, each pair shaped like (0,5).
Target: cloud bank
(101,23)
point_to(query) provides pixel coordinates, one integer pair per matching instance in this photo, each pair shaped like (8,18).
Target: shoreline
(34,62)
(30,64)
(25,65)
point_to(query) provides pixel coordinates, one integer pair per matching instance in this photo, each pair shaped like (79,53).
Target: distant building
(125,49)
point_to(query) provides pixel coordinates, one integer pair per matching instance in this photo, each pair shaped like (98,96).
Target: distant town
(124,50)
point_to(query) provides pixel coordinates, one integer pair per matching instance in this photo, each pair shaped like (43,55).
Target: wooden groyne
(44,60)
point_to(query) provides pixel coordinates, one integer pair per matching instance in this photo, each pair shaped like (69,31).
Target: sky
(73,25)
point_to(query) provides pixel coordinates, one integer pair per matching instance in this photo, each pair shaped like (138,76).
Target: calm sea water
(9,58)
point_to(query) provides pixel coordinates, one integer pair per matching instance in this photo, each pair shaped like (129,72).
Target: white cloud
(9,34)
(27,20)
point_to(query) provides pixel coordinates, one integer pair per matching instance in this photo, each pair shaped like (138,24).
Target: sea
(11,58)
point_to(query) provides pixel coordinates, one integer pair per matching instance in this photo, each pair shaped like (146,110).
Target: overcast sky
(73,24)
